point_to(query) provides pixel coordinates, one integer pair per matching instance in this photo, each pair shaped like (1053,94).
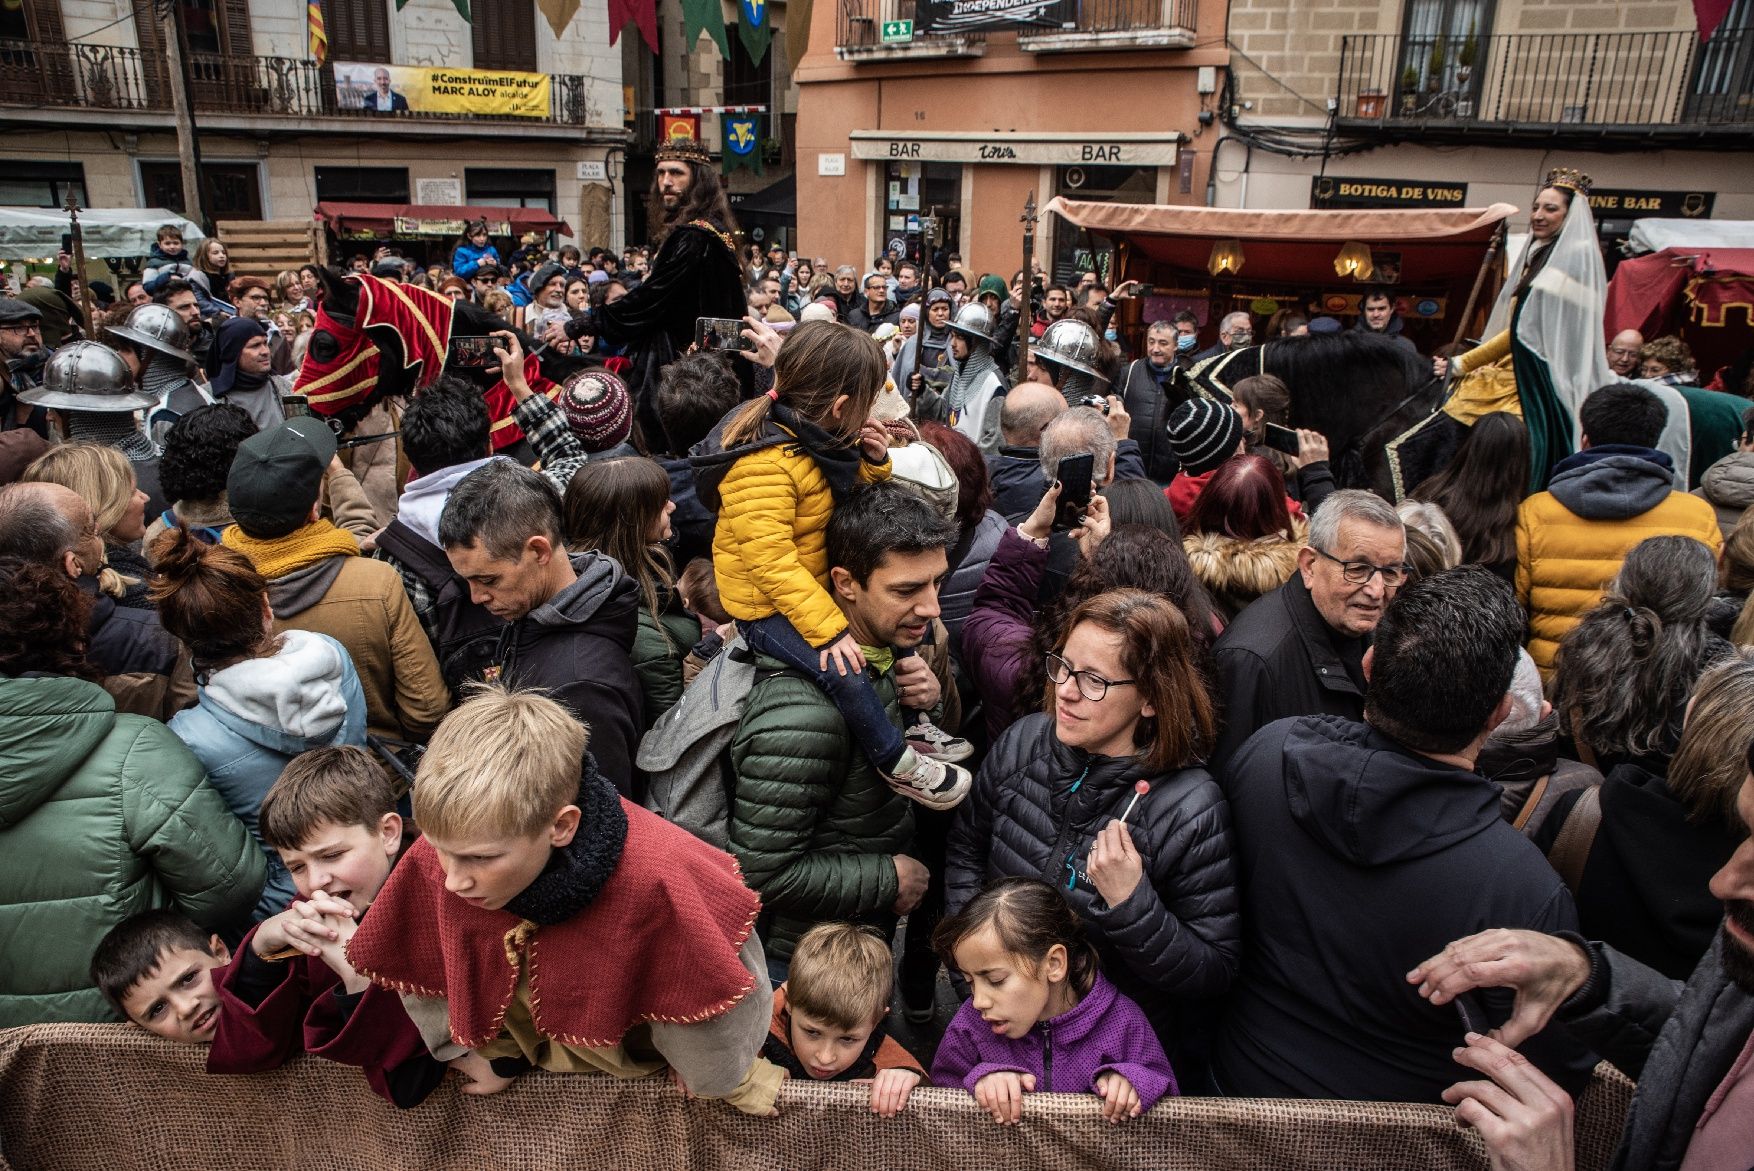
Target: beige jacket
(365,608)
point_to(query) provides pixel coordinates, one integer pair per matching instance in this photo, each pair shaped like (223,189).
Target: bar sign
(898,31)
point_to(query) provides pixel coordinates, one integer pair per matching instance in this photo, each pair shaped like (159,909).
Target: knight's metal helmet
(87,376)
(158,327)
(1071,344)
(974,321)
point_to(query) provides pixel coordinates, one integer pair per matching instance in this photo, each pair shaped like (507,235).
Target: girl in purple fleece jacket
(1042,1016)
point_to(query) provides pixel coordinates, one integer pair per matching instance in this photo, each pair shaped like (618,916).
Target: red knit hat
(597,408)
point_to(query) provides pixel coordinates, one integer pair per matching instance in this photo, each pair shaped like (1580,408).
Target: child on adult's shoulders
(646,934)
(332,818)
(830,1016)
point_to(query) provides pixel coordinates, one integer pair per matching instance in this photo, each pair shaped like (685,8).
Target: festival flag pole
(1026,319)
(1486,262)
(78,249)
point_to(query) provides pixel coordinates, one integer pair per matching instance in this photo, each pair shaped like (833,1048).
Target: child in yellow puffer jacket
(780,463)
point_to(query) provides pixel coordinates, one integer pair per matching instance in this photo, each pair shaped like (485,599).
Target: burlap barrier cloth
(112,1098)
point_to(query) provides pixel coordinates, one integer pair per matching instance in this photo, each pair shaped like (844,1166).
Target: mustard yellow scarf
(275,557)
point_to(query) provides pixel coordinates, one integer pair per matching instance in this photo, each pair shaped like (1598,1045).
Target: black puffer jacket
(1037,803)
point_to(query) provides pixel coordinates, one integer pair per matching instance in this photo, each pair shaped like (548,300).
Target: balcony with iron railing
(1612,88)
(1045,27)
(120,82)
(860,24)
(1114,24)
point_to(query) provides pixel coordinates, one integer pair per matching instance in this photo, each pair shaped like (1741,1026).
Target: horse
(376,341)
(1360,390)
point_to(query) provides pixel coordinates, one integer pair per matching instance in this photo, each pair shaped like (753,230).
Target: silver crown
(86,376)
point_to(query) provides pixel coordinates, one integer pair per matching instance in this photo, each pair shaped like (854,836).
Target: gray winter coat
(1728,486)
(1677,1040)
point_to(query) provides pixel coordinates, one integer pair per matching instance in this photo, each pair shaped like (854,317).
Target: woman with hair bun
(263,698)
(1641,877)
(1623,675)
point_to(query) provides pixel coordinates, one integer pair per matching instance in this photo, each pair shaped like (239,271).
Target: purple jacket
(1106,1031)
(998,632)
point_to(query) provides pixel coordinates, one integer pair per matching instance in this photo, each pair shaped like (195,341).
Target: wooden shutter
(43,18)
(358,30)
(504,32)
(235,33)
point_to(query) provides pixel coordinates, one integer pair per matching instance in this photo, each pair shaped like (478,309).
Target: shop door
(923,210)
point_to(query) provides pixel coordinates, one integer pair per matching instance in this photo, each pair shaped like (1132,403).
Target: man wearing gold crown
(694,274)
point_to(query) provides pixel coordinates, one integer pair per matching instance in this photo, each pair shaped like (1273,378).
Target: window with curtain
(1443,43)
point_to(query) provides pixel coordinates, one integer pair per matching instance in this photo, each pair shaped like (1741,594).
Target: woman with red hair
(1243,535)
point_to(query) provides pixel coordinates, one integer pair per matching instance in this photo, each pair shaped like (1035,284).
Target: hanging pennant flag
(742,135)
(753,29)
(1708,14)
(319,39)
(462,7)
(675,127)
(798,14)
(643,13)
(559,14)
(704,16)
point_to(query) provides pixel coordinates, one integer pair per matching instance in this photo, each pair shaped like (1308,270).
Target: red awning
(1294,247)
(435,220)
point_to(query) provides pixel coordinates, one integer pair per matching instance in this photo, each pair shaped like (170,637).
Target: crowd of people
(1220,779)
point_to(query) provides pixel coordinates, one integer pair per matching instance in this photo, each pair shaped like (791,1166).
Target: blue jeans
(852,695)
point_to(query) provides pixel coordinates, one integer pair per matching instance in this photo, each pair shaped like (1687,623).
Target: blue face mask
(1111,335)
(1185,341)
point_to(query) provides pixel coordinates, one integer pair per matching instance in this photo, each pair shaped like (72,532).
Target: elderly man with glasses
(1299,651)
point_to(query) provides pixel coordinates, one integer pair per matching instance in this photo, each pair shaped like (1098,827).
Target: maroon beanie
(597,408)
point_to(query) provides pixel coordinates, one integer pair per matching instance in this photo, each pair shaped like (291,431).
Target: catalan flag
(319,38)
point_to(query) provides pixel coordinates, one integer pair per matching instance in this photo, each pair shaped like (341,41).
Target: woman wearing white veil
(1548,322)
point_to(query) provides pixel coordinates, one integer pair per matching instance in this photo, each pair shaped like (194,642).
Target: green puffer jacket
(812,823)
(101,816)
(659,646)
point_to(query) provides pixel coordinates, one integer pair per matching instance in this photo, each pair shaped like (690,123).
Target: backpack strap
(1535,795)
(1572,848)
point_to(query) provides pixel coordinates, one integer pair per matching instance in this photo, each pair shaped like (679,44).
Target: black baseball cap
(276,477)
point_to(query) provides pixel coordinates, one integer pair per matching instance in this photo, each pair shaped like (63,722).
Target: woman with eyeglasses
(1104,792)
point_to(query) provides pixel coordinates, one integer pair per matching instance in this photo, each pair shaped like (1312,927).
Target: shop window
(362,185)
(923,210)
(1076,251)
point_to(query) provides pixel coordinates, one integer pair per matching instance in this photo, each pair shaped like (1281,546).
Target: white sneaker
(928,739)
(933,783)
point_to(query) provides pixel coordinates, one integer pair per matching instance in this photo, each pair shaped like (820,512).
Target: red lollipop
(1140,788)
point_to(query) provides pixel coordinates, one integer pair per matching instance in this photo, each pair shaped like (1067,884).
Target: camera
(1093,400)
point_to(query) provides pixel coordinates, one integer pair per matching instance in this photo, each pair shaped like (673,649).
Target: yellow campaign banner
(417,89)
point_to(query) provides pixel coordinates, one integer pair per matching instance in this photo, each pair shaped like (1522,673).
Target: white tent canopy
(1656,235)
(34,233)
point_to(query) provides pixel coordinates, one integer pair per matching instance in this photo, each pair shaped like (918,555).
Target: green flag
(753,28)
(704,16)
(742,139)
(462,9)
